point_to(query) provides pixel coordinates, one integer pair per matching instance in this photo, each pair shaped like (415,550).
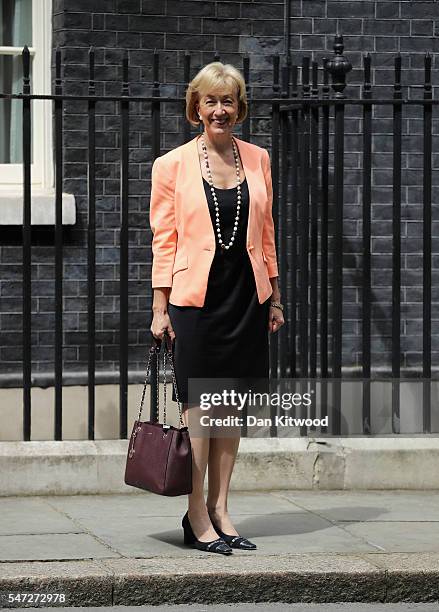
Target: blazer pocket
(180,263)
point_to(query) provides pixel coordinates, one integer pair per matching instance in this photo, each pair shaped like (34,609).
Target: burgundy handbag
(159,455)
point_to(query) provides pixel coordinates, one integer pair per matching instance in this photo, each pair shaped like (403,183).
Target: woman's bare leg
(222,456)
(197,511)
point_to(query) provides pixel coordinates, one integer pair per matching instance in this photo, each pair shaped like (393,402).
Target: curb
(291,578)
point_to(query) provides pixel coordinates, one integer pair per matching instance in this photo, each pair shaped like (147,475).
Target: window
(25,22)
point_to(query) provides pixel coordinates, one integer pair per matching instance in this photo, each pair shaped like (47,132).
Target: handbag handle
(167,354)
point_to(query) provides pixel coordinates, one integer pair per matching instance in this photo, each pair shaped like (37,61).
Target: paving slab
(427,562)
(32,515)
(372,505)
(31,547)
(409,536)
(301,533)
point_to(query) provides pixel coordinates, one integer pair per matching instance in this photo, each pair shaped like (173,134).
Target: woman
(214,277)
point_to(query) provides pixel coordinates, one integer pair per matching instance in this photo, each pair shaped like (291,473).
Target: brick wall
(231,28)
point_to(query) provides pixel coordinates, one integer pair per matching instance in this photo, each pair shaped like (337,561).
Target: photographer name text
(252,421)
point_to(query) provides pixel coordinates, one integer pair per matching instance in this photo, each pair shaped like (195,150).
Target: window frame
(42,175)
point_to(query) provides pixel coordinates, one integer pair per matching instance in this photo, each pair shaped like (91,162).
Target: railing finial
(338,66)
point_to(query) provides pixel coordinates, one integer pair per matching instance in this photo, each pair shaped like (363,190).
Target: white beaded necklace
(212,189)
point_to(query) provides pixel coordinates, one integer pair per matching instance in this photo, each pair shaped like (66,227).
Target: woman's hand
(275,319)
(161,323)
(160,318)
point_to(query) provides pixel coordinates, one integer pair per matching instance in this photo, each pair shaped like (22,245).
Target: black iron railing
(303,191)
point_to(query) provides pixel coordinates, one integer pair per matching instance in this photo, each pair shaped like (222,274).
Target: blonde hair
(212,77)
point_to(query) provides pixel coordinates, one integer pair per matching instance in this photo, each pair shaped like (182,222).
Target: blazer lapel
(196,184)
(250,169)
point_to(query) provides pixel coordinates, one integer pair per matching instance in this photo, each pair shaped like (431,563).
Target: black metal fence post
(283,214)
(27,248)
(91,245)
(367,213)
(304,148)
(304,222)
(314,235)
(396,246)
(275,117)
(427,247)
(58,246)
(155,152)
(186,78)
(123,246)
(246,74)
(324,212)
(338,66)
(293,197)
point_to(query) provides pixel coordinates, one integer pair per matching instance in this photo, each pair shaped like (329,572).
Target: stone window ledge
(42,207)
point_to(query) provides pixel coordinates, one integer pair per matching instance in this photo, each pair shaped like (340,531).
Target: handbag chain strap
(167,354)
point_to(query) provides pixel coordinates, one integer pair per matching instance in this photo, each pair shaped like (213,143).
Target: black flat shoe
(232,540)
(217,546)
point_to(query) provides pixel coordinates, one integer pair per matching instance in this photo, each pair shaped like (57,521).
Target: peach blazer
(184,242)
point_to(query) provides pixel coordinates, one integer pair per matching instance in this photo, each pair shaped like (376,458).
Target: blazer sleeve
(268,233)
(162,222)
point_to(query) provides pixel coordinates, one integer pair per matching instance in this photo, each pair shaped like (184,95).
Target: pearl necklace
(212,189)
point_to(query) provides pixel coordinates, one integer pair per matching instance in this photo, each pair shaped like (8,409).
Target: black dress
(227,337)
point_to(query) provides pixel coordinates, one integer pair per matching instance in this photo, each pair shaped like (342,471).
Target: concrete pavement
(313,546)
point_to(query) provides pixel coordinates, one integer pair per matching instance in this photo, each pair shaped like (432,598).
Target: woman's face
(218,111)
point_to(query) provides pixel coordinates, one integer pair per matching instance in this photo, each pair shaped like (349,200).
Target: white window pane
(16,31)
(16,23)
(11,111)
